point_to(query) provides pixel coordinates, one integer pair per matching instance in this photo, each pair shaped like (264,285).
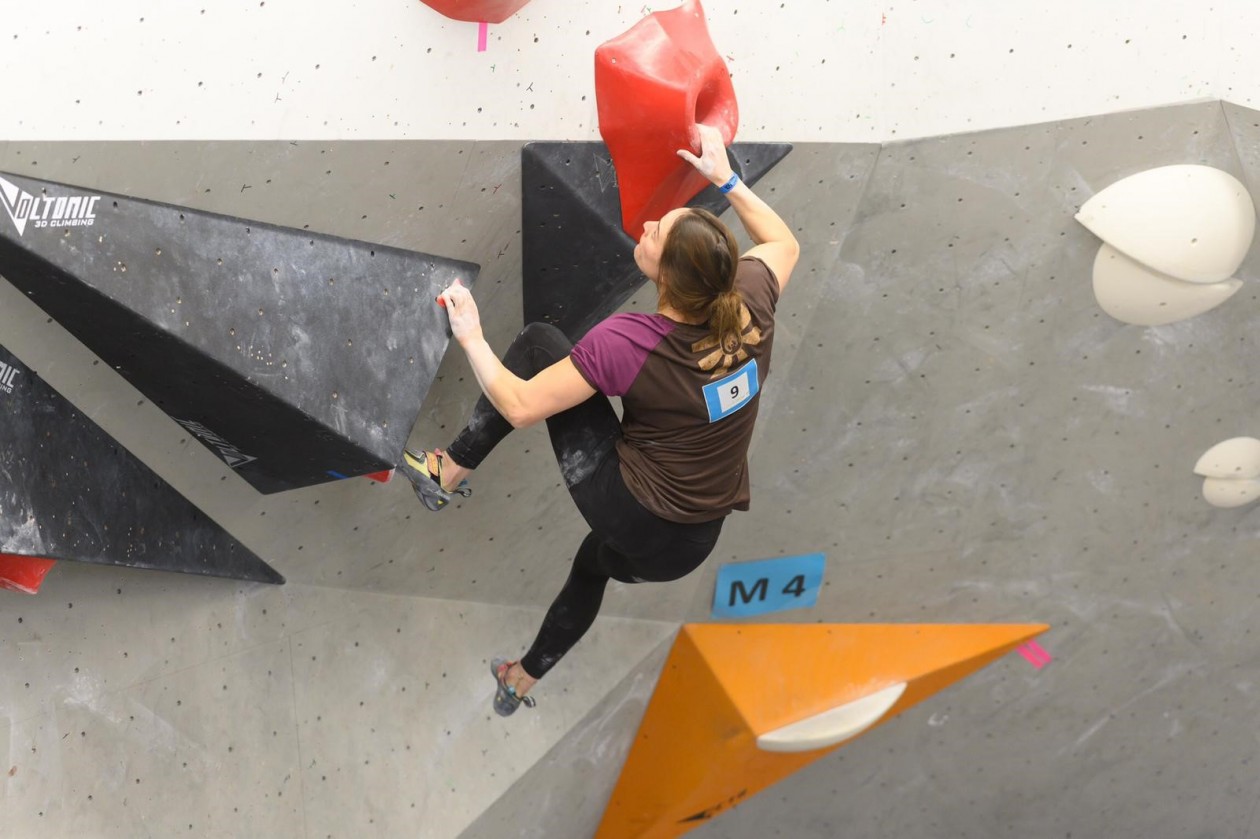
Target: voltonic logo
(231,455)
(46,210)
(7,374)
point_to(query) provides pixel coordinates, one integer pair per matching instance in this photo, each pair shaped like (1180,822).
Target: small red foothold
(23,573)
(476,11)
(440,302)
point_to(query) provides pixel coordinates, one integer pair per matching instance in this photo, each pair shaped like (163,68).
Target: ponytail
(727,321)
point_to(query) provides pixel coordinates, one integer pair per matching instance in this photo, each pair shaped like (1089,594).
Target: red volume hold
(23,573)
(652,85)
(476,11)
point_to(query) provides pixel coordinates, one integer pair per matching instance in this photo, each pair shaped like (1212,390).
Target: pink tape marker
(483,32)
(1035,655)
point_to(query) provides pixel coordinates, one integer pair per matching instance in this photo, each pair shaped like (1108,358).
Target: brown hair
(698,262)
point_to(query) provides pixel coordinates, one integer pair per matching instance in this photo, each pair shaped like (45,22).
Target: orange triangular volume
(726,685)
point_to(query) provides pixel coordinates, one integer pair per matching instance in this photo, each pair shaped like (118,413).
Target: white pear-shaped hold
(1226,492)
(1194,223)
(1237,457)
(1132,293)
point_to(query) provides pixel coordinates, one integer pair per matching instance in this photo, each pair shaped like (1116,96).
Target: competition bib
(726,396)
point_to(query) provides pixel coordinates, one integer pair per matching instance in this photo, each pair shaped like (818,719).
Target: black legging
(626,542)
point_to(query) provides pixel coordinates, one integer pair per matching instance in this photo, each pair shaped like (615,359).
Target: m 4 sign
(768,585)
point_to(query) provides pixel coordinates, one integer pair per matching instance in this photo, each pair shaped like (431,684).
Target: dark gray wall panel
(297,357)
(68,491)
(578,262)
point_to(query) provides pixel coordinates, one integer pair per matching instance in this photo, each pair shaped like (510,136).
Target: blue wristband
(729,185)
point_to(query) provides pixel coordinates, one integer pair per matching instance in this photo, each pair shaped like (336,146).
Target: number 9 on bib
(726,396)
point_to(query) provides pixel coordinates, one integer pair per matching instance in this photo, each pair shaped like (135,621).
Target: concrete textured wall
(951,419)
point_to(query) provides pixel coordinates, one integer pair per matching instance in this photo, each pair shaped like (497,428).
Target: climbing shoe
(505,699)
(424,470)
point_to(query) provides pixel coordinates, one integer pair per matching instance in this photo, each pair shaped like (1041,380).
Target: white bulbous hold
(1193,223)
(833,726)
(1227,492)
(1132,293)
(1237,457)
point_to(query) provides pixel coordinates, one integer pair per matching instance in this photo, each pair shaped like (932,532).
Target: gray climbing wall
(951,420)
(589,759)
(969,437)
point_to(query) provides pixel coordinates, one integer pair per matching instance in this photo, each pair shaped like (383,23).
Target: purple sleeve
(611,355)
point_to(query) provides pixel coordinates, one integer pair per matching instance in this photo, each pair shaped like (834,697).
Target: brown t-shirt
(688,407)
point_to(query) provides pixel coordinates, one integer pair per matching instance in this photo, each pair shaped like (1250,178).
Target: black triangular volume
(578,264)
(69,491)
(296,357)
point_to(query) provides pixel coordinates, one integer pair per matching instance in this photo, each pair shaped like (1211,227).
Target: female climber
(655,486)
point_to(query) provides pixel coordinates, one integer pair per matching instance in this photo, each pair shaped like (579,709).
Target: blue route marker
(768,585)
